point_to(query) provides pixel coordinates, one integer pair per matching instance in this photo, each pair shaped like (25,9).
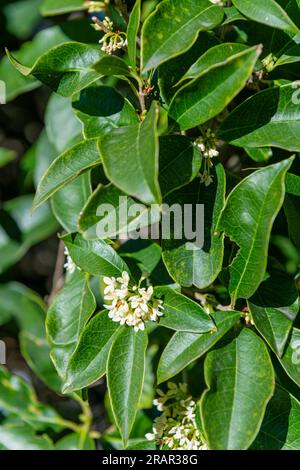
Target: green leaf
(68,202)
(179,162)
(132,33)
(94,257)
(45,152)
(125,377)
(120,215)
(290,361)
(292,184)
(66,167)
(23,438)
(112,65)
(62,127)
(292,212)
(36,352)
(274,308)
(186,263)
(259,154)
(215,56)
(267,12)
(28,54)
(232,15)
(184,348)
(280,429)
(6,156)
(67,317)
(18,400)
(88,362)
(206,96)
(21,17)
(289,56)
(170,72)
(66,68)
(269,118)
(19,229)
(240,380)
(28,310)
(102,109)
(173,28)
(138,147)
(73,441)
(247,219)
(142,445)
(59,7)
(181,313)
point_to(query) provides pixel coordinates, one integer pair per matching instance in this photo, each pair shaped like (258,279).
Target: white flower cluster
(208,144)
(208,147)
(69,264)
(112,40)
(130,306)
(176,427)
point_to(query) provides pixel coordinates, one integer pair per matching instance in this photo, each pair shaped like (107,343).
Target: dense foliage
(157,103)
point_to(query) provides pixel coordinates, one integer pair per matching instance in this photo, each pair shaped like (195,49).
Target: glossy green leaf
(62,127)
(67,316)
(280,429)
(172,71)
(187,263)
(259,154)
(202,99)
(66,167)
(125,377)
(268,12)
(269,118)
(132,33)
(240,380)
(173,28)
(184,348)
(112,65)
(110,212)
(292,184)
(179,162)
(59,7)
(94,256)
(274,308)
(66,69)
(28,53)
(102,109)
(247,219)
(215,56)
(232,15)
(181,313)
(88,362)
(68,202)
(138,147)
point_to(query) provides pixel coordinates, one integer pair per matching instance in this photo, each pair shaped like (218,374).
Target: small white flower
(69,264)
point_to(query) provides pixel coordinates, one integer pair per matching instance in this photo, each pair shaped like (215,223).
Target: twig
(58,275)
(142,99)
